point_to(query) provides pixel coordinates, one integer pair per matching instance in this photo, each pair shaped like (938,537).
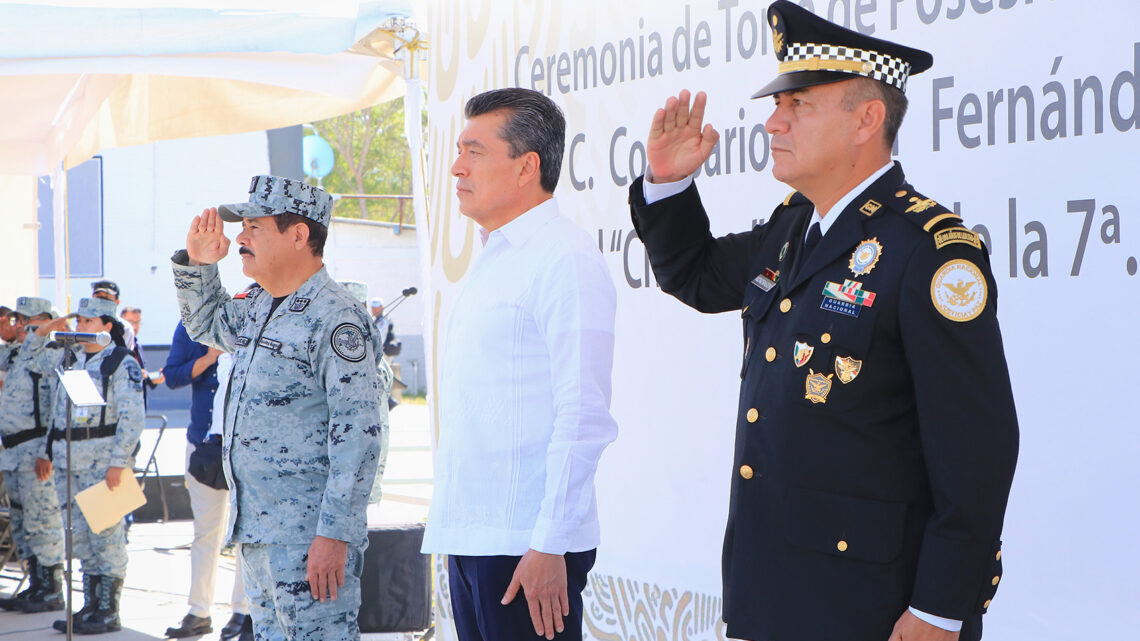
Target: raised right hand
(677,144)
(206,244)
(54,325)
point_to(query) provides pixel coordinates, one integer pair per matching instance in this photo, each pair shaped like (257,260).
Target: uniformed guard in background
(359,291)
(877,436)
(25,411)
(306,408)
(103,444)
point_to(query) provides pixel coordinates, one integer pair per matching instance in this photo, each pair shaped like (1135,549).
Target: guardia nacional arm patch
(958,290)
(348,342)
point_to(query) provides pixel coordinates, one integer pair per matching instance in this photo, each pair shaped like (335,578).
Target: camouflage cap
(356,289)
(95,307)
(32,306)
(273,195)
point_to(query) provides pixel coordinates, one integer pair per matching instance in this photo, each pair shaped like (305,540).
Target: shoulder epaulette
(795,198)
(922,211)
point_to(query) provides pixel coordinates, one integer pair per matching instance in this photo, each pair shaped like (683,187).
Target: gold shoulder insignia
(958,291)
(953,235)
(922,211)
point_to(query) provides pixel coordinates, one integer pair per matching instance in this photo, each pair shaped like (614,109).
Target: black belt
(12,440)
(84,433)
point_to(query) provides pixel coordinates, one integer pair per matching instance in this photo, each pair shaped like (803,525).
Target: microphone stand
(69,359)
(388,309)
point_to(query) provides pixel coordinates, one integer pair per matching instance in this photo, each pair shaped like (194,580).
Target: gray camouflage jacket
(306,408)
(124,406)
(18,409)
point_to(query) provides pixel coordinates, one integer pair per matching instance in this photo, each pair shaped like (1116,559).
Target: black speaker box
(395,585)
(168,491)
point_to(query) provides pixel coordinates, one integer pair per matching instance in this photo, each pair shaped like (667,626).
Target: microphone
(411,291)
(103,339)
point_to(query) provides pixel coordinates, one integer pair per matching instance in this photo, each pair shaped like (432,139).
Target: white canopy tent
(76,78)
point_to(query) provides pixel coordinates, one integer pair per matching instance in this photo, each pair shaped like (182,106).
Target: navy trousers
(477,587)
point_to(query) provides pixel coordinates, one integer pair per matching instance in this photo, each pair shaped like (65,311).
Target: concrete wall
(150,194)
(388,262)
(18,229)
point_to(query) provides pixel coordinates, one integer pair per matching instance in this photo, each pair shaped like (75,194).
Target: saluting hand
(677,144)
(206,243)
(54,325)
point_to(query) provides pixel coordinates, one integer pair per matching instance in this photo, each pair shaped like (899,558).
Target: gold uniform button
(996,579)
(746,471)
(997,557)
(986,605)
(900,194)
(752,415)
(770,355)
(826,338)
(785,305)
(841,546)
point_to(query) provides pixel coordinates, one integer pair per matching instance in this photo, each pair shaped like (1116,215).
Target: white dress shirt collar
(826,221)
(526,225)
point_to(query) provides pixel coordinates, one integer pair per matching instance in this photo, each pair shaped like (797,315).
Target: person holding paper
(25,406)
(103,442)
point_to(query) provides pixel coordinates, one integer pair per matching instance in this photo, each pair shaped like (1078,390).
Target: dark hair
(118,334)
(534,123)
(318,233)
(894,101)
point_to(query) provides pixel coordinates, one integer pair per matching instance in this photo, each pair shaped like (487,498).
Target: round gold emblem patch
(958,290)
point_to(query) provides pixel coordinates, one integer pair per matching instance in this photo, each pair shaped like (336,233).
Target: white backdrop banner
(1028,125)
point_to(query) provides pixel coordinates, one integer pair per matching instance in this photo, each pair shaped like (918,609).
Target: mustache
(244,250)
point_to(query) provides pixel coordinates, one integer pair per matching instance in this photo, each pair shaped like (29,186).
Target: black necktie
(813,236)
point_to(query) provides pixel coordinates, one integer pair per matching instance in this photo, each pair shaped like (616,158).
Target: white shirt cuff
(660,191)
(950,625)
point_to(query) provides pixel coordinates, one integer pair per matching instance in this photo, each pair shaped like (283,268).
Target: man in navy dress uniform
(877,436)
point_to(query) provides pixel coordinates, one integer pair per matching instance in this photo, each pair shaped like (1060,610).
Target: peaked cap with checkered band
(814,51)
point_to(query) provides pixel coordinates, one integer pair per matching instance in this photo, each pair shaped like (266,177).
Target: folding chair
(151,467)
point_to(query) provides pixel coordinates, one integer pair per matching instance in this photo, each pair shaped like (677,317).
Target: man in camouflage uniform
(25,410)
(305,412)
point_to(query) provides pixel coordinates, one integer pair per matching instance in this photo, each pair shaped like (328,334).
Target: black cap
(814,51)
(108,286)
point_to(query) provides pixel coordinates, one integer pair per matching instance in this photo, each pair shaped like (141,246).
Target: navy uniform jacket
(876,436)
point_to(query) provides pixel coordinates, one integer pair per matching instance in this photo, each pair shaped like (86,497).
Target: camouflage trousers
(282,604)
(37,527)
(104,553)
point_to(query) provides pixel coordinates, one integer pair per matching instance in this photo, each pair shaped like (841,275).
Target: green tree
(372,157)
